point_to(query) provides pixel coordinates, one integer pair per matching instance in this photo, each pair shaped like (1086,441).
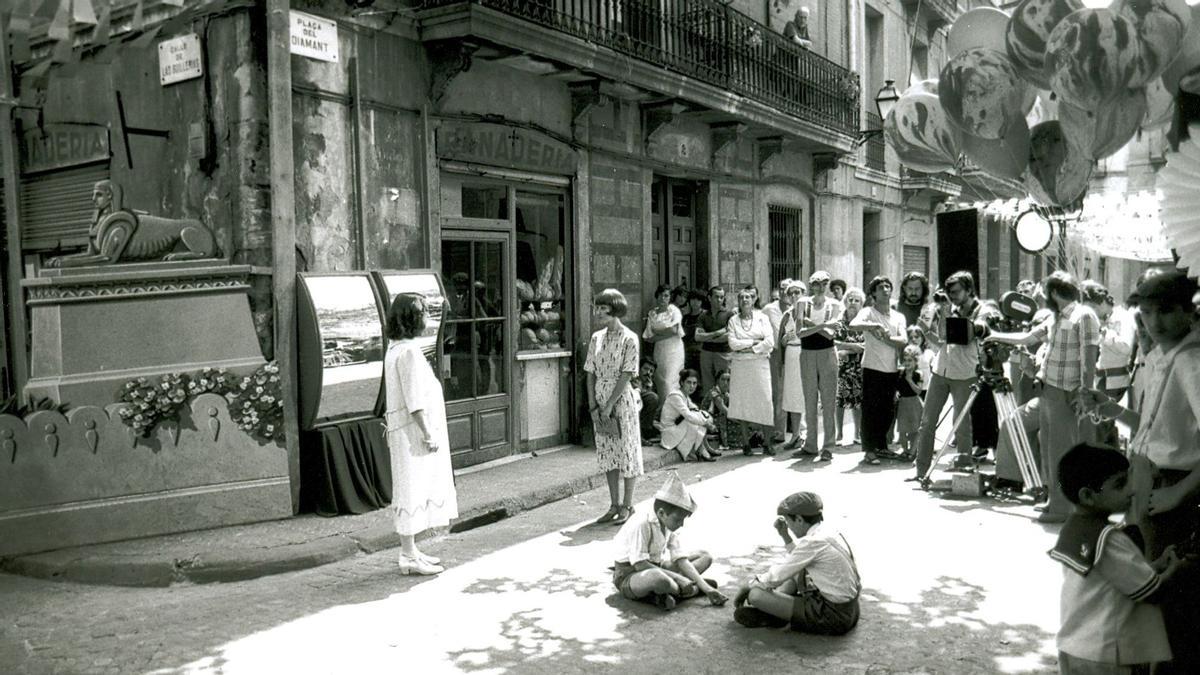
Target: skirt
(793,389)
(750,391)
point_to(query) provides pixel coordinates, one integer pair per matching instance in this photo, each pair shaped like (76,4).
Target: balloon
(1026,34)
(981,27)
(920,133)
(1098,134)
(1160,105)
(1090,57)
(1006,157)
(1188,59)
(981,92)
(1057,174)
(1161,25)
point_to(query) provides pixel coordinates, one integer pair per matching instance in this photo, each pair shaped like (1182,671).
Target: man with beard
(914,295)
(1073,339)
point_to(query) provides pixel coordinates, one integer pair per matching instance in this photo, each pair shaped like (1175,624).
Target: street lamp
(885,100)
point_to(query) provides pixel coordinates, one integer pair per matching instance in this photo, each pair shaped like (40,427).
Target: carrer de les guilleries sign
(56,146)
(505,146)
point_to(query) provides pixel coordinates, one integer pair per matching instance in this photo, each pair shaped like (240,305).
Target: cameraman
(954,366)
(1073,339)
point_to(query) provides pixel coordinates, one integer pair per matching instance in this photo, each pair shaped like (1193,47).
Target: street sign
(179,59)
(314,37)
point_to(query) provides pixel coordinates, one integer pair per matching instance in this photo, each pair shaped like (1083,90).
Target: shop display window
(541,270)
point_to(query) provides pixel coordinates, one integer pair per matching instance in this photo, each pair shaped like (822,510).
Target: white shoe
(417,566)
(430,559)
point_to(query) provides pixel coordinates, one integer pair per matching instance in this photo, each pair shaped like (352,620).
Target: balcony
(936,186)
(698,51)
(935,13)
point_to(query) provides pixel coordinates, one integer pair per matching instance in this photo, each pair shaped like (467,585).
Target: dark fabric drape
(345,468)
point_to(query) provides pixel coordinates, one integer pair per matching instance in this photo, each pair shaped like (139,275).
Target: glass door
(477,345)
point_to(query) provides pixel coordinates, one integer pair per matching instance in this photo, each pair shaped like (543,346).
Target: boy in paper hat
(816,588)
(651,565)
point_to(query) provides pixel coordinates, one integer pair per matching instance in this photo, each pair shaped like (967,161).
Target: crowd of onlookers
(1107,394)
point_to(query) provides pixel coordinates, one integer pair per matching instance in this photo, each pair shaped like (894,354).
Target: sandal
(707,457)
(825,456)
(871,458)
(623,514)
(609,515)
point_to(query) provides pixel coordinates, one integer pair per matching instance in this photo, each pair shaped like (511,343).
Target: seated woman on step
(684,426)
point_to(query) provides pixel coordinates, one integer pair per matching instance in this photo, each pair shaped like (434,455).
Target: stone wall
(617,197)
(85,478)
(734,235)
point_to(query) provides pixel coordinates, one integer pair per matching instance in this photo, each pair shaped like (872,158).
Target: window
(786,238)
(541,269)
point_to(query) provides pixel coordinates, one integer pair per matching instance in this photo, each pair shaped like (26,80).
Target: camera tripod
(1006,411)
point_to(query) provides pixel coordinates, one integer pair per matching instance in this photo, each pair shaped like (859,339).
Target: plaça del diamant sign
(314,37)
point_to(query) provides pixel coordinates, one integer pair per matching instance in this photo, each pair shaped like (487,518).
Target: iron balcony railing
(708,41)
(876,145)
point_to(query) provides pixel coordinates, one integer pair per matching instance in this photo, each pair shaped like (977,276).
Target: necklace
(746,323)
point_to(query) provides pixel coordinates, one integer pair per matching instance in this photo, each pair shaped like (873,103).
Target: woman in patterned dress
(849,350)
(612,361)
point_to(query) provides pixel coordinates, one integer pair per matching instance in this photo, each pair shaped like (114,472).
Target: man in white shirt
(886,336)
(816,587)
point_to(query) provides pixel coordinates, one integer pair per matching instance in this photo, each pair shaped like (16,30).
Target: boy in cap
(816,588)
(651,565)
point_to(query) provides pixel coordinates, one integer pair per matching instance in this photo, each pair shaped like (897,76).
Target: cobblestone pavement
(951,586)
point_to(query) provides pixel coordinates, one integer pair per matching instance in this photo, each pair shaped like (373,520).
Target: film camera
(1015,315)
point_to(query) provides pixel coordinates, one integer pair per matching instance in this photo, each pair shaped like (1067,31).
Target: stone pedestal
(96,328)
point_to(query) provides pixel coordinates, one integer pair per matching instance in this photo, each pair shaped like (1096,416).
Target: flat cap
(1171,288)
(800,504)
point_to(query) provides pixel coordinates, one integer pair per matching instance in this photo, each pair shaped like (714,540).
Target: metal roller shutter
(56,207)
(916,259)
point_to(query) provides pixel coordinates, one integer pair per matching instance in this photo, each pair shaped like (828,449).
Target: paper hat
(674,492)
(801,504)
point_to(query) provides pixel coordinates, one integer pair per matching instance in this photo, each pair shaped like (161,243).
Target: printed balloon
(981,92)
(1099,134)
(1161,25)
(919,132)
(1090,57)
(979,27)
(1057,174)
(1006,157)
(1187,61)
(1044,108)
(1026,34)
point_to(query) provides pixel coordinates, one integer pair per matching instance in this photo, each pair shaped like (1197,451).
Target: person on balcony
(796,30)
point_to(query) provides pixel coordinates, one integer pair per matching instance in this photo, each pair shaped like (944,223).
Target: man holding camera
(954,330)
(1073,339)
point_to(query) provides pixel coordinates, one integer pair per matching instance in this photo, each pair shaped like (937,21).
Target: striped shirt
(1074,329)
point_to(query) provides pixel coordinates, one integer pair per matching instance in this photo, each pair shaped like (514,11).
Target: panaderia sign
(505,146)
(57,146)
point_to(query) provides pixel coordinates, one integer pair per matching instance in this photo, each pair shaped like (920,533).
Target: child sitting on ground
(908,405)
(651,565)
(716,402)
(816,588)
(1108,623)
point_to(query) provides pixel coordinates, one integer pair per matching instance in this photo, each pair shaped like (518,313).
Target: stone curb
(240,564)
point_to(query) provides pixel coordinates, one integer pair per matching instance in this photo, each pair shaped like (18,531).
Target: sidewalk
(485,495)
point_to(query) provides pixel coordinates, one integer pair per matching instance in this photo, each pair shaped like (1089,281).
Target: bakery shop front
(505,214)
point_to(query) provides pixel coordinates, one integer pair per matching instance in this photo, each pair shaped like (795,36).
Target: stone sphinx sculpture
(123,235)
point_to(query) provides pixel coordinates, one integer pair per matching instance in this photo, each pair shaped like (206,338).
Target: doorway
(674,223)
(477,344)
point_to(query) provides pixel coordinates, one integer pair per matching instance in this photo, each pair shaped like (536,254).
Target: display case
(426,283)
(340,347)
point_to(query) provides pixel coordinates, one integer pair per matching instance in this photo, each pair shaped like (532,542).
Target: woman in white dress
(684,425)
(664,328)
(751,340)
(423,495)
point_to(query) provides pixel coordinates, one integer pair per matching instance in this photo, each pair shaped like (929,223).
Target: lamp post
(885,101)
